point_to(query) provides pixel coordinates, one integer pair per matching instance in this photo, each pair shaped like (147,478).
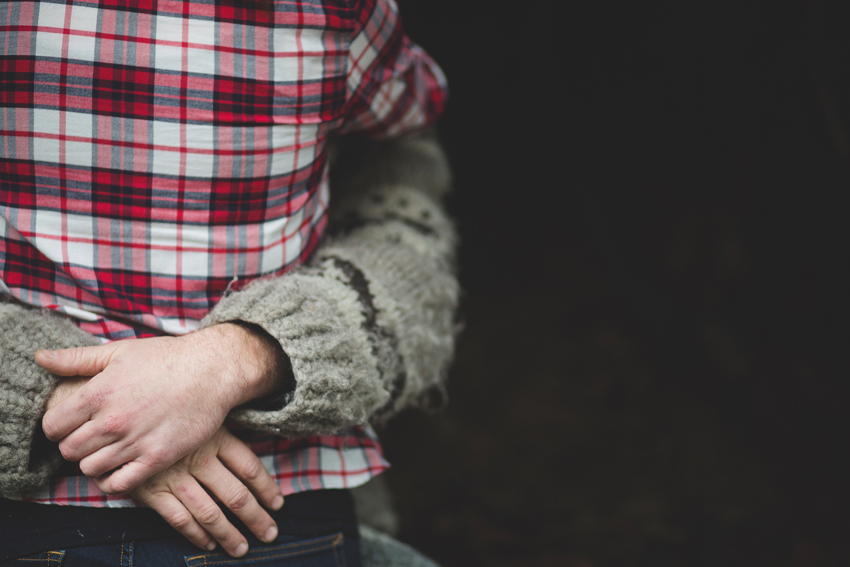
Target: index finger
(243,463)
(233,494)
(66,416)
(209,515)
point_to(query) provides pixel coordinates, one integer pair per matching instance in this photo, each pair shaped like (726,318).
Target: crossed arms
(367,328)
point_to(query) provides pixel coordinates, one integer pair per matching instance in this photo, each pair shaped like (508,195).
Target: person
(178,222)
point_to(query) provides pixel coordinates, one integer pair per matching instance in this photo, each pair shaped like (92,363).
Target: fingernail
(210,546)
(49,354)
(277,502)
(241,549)
(271,533)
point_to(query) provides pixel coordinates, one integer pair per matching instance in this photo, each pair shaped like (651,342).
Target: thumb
(77,361)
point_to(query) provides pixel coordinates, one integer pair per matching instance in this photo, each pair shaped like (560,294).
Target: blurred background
(653,201)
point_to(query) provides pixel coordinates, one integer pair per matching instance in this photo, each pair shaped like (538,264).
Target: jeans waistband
(27,527)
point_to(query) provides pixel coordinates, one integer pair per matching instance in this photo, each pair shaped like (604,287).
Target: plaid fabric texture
(343,460)
(157,153)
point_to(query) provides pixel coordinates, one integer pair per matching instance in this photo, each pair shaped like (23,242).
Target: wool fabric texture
(27,458)
(367,324)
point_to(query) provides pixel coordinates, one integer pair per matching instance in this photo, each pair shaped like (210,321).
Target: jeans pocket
(45,558)
(325,551)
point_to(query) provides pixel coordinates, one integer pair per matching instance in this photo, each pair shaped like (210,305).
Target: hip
(317,527)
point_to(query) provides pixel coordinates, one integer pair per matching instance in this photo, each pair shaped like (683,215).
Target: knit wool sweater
(367,325)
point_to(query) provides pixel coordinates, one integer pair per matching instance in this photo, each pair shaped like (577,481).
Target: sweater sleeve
(368,325)
(28,459)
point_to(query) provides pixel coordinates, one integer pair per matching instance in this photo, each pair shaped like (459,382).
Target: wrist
(257,363)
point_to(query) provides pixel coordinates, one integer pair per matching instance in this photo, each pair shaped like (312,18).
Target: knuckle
(119,485)
(253,470)
(172,476)
(106,486)
(159,457)
(48,425)
(113,424)
(73,355)
(198,462)
(239,499)
(93,397)
(209,514)
(180,520)
(76,356)
(68,453)
(104,429)
(89,469)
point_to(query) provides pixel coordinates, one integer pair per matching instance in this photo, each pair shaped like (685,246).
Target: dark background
(653,201)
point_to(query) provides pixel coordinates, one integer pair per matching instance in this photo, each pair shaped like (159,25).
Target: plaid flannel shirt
(157,153)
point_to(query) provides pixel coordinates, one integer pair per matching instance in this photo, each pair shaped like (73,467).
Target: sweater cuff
(316,317)
(27,458)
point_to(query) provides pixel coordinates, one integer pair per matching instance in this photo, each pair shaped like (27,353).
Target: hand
(177,495)
(64,388)
(152,401)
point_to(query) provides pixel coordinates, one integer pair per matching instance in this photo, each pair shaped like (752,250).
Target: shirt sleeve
(393,86)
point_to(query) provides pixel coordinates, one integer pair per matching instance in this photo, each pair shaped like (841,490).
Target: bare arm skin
(226,467)
(367,326)
(152,401)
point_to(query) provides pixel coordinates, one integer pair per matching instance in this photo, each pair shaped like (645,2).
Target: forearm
(27,459)
(368,325)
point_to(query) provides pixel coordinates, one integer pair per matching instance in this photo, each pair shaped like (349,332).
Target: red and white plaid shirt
(156,152)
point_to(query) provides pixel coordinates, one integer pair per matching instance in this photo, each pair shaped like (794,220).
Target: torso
(155,156)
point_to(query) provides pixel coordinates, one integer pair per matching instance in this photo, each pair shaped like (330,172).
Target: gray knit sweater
(368,324)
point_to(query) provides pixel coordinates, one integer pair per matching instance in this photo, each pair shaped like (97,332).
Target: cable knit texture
(367,325)
(28,458)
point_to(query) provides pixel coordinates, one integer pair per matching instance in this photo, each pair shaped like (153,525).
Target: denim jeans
(317,528)
(288,551)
